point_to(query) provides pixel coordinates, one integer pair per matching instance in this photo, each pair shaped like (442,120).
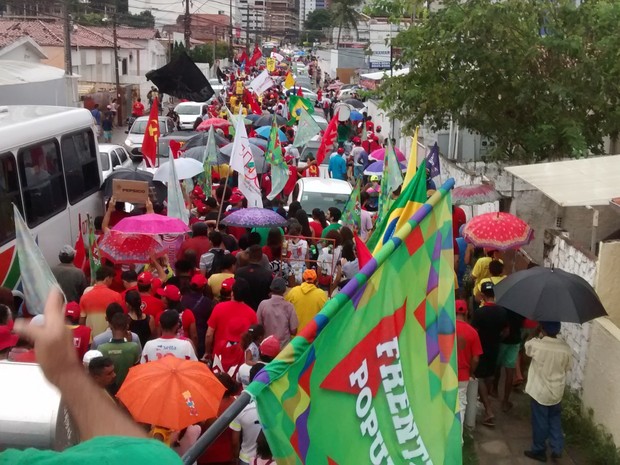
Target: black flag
(181,78)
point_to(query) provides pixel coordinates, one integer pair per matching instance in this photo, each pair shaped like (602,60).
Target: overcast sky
(166,11)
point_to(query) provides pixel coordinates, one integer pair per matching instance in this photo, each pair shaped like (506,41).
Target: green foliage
(541,79)
(345,15)
(581,431)
(392,9)
(318,19)
(202,53)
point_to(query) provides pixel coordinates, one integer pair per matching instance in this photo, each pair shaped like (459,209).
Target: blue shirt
(96,114)
(338,167)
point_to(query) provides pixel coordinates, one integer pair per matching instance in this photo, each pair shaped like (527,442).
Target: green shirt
(264,232)
(102,450)
(123,354)
(331,227)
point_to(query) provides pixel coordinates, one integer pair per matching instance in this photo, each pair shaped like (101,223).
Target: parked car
(188,112)
(310,95)
(113,157)
(311,148)
(349,92)
(135,135)
(321,193)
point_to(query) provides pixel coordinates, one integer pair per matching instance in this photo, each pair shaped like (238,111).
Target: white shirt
(158,348)
(366,226)
(247,422)
(551,362)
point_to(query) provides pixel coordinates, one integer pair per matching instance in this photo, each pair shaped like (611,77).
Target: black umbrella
(200,140)
(267,120)
(198,153)
(181,78)
(253,117)
(355,103)
(128,174)
(549,294)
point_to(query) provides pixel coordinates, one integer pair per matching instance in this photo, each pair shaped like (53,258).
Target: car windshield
(311,200)
(187,110)
(105,161)
(140,126)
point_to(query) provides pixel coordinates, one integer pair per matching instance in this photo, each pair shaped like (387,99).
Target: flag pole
(217,428)
(219,213)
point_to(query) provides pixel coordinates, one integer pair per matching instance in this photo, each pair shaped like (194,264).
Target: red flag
(255,56)
(151,136)
(243,57)
(299,92)
(256,109)
(363,254)
(328,139)
(80,260)
(175,148)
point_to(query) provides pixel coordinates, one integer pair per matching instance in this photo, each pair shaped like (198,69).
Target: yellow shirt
(222,170)
(551,362)
(308,300)
(216,280)
(481,269)
(493,279)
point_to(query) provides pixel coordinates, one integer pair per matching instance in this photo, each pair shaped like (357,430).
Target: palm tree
(345,15)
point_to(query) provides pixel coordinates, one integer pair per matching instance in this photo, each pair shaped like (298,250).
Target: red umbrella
(498,231)
(474,194)
(215,122)
(127,248)
(379,154)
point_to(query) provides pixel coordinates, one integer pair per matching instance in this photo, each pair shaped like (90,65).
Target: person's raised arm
(108,214)
(89,405)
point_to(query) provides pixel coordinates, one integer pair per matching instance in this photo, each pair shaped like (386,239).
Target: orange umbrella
(171,393)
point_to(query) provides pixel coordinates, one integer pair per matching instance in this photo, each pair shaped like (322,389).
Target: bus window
(79,158)
(9,193)
(42,183)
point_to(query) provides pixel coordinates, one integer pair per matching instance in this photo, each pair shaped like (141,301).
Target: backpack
(216,264)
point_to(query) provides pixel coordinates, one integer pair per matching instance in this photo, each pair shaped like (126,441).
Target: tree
(202,53)
(345,15)
(318,20)
(541,79)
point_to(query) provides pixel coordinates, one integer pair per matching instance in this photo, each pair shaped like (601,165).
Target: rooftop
(574,183)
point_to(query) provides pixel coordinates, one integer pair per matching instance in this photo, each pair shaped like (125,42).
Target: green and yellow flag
(273,156)
(296,103)
(373,377)
(352,211)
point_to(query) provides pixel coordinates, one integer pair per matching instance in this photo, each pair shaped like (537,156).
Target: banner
(271,65)
(372,379)
(261,83)
(277,56)
(205,181)
(242,161)
(176,201)
(182,79)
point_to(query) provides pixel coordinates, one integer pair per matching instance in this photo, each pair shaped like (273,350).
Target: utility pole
(119,100)
(187,22)
(214,40)
(230,34)
(247,27)
(67,34)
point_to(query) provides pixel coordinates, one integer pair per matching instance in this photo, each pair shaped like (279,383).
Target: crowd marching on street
(232,294)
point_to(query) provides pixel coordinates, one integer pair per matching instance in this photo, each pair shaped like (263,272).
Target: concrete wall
(561,252)
(607,279)
(602,376)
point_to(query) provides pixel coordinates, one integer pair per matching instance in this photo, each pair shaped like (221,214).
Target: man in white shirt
(168,343)
(248,423)
(551,362)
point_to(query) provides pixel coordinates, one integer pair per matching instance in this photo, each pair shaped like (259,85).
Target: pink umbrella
(379,154)
(125,248)
(215,122)
(151,223)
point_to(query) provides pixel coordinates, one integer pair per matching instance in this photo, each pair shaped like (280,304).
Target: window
(124,66)
(122,155)
(9,194)
(115,161)
(79,159)
(42,183)
(105,161)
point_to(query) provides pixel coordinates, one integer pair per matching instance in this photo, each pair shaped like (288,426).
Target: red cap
(170,292)
(198,280)
(461,306)
(227,284)
(198,192)
(356,140)
(7,339)
(289,158)
(236,198)
(270,346)
(145,278)
(72,310)
(340,150)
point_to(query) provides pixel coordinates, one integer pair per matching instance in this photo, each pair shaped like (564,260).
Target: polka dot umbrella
(498,231)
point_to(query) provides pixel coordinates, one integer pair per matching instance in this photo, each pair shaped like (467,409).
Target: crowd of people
(233,297)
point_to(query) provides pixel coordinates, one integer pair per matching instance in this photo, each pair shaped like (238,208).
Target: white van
(188,112)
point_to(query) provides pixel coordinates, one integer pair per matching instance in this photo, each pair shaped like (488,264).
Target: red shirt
(317,229)
(468,346)
(152,306)
(138,109)
(230,320)
(312,171)
(290,183)
(458,219)
(199,244)
(266,183)
(81,339)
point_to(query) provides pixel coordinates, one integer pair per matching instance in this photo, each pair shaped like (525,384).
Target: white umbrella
(185,167)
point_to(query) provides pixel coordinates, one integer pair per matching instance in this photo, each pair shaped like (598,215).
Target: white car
(310,95)
(135,135)
(112,158)
(188,113)
(349,92)
(321,193)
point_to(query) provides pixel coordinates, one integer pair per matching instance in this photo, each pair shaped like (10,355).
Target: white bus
(50,169)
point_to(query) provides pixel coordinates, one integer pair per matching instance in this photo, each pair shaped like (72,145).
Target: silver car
(135,135)
(112,158)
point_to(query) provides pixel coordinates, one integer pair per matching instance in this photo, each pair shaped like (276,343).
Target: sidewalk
(504,444)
